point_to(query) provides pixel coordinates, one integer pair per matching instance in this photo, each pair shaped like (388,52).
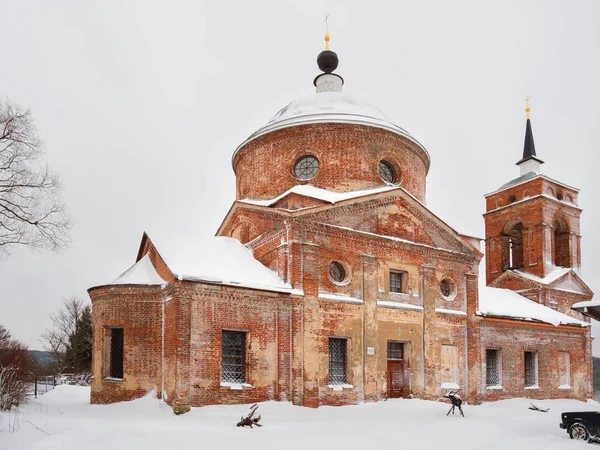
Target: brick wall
(138,311)
(348,158)
(513,338)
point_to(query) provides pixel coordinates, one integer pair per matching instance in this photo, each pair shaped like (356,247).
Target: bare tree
(31,213)
(69,338)
(4,337)
(15,363)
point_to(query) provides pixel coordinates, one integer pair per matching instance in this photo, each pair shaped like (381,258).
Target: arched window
(562,255)
(512,248)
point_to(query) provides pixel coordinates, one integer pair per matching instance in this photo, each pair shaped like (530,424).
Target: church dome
(331,140)
(330,107)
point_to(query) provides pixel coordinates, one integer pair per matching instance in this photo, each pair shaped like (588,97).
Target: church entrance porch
(396,384)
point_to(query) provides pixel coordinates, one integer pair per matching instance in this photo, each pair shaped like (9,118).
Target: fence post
(54,380)
(35,392)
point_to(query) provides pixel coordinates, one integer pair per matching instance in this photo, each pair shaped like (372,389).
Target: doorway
(396,385)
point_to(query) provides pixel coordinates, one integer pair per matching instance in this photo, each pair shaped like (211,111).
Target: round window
(306,167)
(448,289)
(337,273)
(387,172)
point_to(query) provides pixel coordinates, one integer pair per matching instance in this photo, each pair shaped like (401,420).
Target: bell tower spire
(530,162)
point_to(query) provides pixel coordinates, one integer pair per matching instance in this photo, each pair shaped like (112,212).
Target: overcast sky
(141,105)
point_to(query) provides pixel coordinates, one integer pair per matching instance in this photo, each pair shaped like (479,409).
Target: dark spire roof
(529,147)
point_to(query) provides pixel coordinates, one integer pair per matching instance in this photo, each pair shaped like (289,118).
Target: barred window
(113,353)
(233,356)
(493,367)
(531,369)
(337,361)
(397,281)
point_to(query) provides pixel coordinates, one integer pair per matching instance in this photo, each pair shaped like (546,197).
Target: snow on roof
(552,276)
(587,304)
(498,302)
(142,272)
(320,194)
(330,107)
(216,260)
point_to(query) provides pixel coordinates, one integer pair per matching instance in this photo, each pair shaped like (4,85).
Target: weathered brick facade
(173,331)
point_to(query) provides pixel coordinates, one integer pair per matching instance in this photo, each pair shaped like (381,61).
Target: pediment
(571,282)
(568,281)
(393,214)
(246,222)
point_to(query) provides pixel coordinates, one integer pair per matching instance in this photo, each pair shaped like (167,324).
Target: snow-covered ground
(146,424)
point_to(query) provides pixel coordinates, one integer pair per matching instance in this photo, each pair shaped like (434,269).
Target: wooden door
(395,370)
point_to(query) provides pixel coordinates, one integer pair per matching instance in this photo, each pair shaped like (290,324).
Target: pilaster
(369,281)
(430,293)
(473,340)
(311,334)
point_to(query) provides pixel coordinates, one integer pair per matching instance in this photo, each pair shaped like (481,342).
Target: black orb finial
(327,61)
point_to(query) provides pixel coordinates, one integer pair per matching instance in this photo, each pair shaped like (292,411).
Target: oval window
(387,172)
(447,289)
(337,273)
(306,167)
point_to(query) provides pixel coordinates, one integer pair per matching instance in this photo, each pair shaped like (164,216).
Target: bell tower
(531,222)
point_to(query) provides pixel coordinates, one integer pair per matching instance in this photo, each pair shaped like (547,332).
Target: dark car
(582,425)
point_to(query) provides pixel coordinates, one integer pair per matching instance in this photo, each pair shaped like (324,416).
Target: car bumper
(562,425)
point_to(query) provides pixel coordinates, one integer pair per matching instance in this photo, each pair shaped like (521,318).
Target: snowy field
(147,424)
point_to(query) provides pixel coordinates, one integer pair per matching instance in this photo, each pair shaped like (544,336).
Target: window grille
(397,281)
(337,361)
(492,362)
(337,272)
(394,350)
(233,355)
(306,167)
(530,369)
(113,353)
(387,172)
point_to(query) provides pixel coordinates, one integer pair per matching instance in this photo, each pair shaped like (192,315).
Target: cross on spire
(527,109)
(326,31)
(530,162)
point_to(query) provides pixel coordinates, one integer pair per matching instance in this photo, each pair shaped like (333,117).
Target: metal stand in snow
(537,408)
(248,420)
(456,402)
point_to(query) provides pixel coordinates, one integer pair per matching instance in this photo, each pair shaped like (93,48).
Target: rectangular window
(233,357)
(449,364)
(493,367)
(531,369)
(337,361)
(113,353)
(394,350)
(397,281)
(564,369)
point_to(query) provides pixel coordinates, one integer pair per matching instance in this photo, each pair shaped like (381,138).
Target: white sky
(141,106)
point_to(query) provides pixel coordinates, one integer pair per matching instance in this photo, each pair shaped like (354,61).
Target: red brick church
(330,282)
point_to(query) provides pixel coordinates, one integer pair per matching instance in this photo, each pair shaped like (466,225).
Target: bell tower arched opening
(562,253)
(512,246)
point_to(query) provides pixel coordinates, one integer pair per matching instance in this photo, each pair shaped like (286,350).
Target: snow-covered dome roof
(330,107)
